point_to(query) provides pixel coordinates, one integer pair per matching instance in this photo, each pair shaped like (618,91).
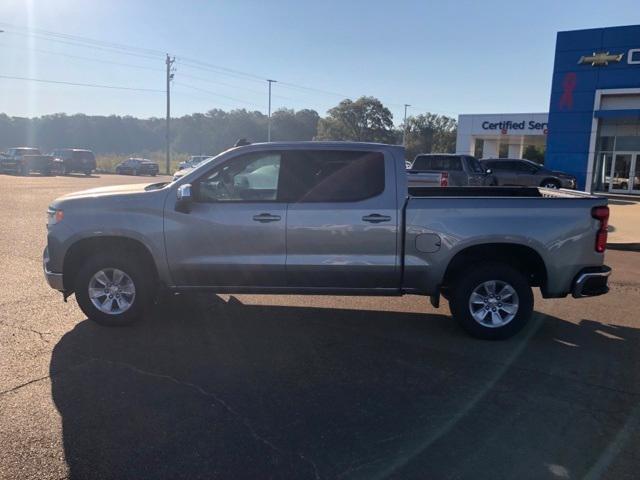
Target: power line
(215,94)
(85,45)
(76,84)
(216,82)
(78,39)
(113,47)
(88,59)
(155,69)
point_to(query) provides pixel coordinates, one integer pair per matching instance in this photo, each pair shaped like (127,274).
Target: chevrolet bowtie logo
(599,59)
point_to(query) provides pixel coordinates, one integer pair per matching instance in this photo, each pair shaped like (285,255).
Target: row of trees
(365,119)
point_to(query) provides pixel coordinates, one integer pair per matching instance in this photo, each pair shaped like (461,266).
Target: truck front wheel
(113,291)
(493,302)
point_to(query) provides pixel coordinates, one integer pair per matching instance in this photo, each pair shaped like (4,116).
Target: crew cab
(326,218)
(23,160)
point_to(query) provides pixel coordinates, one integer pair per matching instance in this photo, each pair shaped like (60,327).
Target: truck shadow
(206,388)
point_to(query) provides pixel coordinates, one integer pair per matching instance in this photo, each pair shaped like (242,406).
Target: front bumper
(53,279)
(591,282)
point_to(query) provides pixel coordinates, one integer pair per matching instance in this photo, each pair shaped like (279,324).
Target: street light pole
(169,76)
(404,129)
(269,118)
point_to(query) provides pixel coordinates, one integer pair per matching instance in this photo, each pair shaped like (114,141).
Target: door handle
(376,218)
(266,217)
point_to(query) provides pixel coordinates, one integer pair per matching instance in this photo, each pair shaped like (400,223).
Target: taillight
(444,179)
(602,215)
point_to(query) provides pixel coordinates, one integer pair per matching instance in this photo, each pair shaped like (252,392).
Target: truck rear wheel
(113,291)
(493,302)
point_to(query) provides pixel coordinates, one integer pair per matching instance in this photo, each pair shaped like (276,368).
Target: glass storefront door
(624,174)
(635,174)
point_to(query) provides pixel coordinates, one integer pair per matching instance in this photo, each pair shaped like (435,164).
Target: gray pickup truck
(326,218)
(24,160)
(448,170)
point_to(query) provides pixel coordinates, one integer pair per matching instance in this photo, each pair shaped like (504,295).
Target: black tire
(471,280)
(143,282)
(87,173)
(550,183)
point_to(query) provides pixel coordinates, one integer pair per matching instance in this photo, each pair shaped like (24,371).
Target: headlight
(54,215)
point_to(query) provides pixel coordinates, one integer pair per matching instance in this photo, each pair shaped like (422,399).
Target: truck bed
(529,192)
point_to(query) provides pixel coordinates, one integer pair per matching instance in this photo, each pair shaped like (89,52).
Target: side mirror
(184,198)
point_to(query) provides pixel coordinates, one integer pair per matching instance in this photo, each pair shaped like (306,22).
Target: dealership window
(617,144)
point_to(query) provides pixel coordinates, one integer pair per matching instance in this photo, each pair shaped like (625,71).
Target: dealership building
(592,130)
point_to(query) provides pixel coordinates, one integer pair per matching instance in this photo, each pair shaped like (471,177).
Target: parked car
(181,173)
(326,217)
(516,172)
(70,160)
(445,169)
(137,166)
(193,161)
(622,183)
(23,160)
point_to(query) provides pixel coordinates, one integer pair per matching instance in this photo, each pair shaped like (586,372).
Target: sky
(446,57)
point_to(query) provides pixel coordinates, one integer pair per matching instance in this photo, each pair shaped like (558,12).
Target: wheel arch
(522,257)
(117,245)
(552,180)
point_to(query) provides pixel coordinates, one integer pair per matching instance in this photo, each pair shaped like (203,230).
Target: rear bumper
(591,282)
(53,279)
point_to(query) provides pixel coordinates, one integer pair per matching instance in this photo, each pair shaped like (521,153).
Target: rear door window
(438,162)
(83,155)
(331,175)
(502,165)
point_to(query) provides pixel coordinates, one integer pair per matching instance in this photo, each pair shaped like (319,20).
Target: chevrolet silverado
(332,218)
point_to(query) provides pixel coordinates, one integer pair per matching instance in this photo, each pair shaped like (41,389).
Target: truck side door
(342,219)
(234,233)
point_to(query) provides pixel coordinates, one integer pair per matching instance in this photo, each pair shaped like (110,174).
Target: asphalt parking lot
(305,387)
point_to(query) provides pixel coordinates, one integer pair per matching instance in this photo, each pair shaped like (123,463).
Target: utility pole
(404,130)
(169,62)
(269,118)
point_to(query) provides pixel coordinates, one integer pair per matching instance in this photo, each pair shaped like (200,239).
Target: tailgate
(427,178)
